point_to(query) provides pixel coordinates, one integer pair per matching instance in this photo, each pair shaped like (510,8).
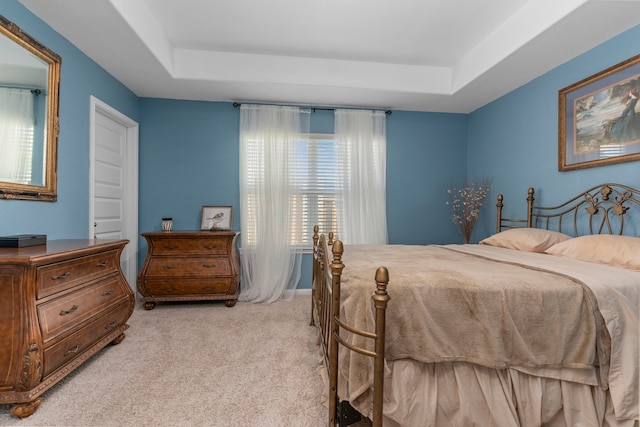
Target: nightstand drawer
(159,287)
(64,275)
(173,246)
(186,267)
(62,314)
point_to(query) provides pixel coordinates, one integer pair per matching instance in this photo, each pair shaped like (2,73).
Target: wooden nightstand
(190,266)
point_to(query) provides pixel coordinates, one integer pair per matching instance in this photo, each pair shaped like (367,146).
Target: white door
(114,181)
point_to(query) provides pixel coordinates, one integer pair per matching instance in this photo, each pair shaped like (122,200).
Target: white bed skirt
(462,394)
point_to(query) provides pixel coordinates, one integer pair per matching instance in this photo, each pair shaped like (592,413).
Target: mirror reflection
(29,78)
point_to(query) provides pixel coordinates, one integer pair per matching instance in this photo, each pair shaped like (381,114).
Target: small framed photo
(216,218)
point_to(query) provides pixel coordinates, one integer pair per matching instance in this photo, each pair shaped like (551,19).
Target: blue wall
(80,78)
(189,151)
(189,159)
(515,138)
(426,154)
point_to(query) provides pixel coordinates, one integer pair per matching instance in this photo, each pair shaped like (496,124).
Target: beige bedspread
(454,306)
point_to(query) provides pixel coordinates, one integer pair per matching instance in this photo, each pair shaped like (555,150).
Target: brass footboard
(325,313)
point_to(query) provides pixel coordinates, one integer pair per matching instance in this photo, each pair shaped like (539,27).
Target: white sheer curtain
(270,260)
(362,207)
(16,134)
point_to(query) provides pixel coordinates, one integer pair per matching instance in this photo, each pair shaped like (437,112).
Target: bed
(535,325)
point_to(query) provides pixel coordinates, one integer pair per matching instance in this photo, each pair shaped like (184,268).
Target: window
(292,180)
(313,195)
(316,186)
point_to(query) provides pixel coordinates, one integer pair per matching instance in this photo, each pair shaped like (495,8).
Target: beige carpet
(196,364)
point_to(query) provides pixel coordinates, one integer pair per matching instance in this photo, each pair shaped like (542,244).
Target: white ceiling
(420,55)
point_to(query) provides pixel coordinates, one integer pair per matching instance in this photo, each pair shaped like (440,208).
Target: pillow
(526,239)
(614,250)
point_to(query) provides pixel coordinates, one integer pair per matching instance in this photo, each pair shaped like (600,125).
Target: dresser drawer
(186,267)
(158,287)
(63,275)
(184,246)
(62,314)
(72,346)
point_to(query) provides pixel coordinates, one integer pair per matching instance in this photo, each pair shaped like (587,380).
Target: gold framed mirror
(29,127)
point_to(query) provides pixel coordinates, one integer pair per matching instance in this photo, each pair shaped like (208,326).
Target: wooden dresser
(60,303)
(189,266)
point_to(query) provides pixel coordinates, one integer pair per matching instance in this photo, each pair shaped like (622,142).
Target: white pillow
(614,250)
(526,239)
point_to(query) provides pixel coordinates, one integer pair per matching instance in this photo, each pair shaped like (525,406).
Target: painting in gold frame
(599,118)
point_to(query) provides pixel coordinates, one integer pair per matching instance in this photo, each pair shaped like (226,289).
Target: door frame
(131,171)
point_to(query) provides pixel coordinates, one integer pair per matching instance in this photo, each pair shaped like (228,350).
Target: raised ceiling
(420,55)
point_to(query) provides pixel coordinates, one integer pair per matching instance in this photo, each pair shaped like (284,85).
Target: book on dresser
(60,303)
(190,266)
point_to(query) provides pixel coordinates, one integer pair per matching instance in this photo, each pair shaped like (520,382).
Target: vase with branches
(466,200)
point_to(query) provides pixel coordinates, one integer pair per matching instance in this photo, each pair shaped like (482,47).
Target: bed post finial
(330,241)
(382,279)
(337,250)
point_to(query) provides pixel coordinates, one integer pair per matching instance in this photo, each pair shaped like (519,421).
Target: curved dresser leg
(117,340)
(23,410)
(149,305)
(230,302)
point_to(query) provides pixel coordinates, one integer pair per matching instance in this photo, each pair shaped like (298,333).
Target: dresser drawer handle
(169,266)
(71,310)
(102,264)
(209,265)
(207,288)
(169,289)
(209,246)
(170,246)
(63,276)
(111,325)
(72,350)
(109,292)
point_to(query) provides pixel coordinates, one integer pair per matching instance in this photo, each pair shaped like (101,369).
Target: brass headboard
(599,210)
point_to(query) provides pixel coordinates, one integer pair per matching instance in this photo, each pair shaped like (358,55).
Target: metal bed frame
(599,210)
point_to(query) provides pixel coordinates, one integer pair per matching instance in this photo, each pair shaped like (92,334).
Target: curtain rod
(33,91)
(314,109)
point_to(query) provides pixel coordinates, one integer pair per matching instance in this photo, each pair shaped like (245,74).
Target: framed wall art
(599,123)
(216,218)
